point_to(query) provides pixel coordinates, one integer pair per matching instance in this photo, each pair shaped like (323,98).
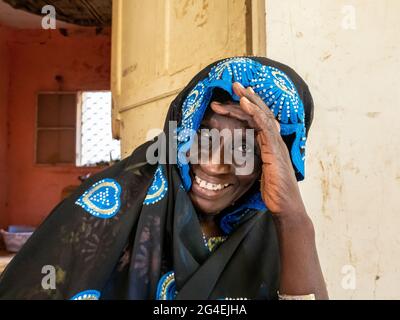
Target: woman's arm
(301,273)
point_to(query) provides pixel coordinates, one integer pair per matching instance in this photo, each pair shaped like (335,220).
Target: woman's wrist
(298,221)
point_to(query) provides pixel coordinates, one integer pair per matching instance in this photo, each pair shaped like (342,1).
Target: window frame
(37,128)
(78,136)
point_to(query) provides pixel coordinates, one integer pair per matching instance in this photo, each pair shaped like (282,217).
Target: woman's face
(215,182)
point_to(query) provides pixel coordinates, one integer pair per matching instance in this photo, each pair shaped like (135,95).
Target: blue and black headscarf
(279,93)
(131,231)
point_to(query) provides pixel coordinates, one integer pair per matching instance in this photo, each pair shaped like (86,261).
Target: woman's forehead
(213,120)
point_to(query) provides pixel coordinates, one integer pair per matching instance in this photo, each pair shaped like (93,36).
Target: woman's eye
(244,148)
(205,137)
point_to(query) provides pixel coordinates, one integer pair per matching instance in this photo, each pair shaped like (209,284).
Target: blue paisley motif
(102,200)
(87,295)
(166,288)
(158,188)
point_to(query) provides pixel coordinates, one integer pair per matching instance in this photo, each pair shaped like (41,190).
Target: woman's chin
(204,206)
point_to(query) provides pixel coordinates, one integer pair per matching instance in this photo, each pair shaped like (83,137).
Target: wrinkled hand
(279,188)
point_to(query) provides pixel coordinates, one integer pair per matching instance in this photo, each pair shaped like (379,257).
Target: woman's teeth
(208,185)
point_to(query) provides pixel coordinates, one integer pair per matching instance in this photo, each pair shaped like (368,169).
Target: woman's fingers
(255,99)
(219,108)
(233,111)
(268,137)
(249,93)
(238,89)
(265,121)
(252,110)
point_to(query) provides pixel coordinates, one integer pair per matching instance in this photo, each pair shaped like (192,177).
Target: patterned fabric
(87,295)
(212,243)
(158,189)
(166,289)
(102,200)
(248,206)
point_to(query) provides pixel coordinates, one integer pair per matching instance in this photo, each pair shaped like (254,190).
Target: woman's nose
(217,163)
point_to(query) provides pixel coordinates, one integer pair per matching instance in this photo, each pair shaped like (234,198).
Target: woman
(194,230)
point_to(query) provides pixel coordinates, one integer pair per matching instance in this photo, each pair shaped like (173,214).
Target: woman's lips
(209,190)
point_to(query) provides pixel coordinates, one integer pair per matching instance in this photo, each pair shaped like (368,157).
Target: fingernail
(278,125)
(245,100)
(216,102)
(240,84)
(251,90)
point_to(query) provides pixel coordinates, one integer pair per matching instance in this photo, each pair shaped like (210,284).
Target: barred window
(96,143)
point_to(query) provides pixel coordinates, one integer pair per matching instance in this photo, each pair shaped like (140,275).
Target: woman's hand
(279,187)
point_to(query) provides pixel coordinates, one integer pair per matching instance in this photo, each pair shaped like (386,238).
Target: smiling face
(215,182)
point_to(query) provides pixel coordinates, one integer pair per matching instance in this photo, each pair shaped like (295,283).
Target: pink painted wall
(36,56)
(4,84)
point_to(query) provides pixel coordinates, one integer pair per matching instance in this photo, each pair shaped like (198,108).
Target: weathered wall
(151,65)
(36,57)
(349,53)
(4,83)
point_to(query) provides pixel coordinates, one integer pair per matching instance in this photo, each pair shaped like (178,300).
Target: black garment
(124,257)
